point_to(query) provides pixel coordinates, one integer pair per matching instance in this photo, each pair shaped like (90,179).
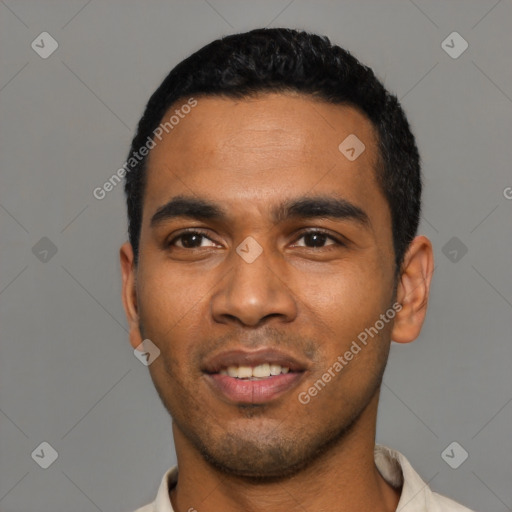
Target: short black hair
(282,60)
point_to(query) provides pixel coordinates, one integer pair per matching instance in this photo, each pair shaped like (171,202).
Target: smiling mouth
(242,385)
(260,372)
(253,377)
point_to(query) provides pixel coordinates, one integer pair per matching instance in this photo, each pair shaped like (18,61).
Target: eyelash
(195,231)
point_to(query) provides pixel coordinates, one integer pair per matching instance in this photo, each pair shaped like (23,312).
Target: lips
(234,375)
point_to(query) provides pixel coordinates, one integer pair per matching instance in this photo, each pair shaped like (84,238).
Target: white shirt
(393,466)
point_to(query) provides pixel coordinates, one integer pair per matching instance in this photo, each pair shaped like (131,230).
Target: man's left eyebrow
(321,207)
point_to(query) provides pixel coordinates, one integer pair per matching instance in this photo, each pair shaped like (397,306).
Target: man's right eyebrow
(182,206)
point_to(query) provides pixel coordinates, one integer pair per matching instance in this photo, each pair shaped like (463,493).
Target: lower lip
(254,391)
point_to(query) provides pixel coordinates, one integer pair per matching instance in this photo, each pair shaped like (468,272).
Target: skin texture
(197,297)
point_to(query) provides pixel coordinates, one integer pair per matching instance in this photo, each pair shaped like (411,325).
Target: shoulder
(162,502)
(416,495)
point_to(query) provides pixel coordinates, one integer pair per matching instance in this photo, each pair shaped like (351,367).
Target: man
(273,197)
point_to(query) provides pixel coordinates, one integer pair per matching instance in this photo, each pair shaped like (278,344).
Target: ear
(413,290)
(129,293)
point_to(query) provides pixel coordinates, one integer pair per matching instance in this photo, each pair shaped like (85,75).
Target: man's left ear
(413,290)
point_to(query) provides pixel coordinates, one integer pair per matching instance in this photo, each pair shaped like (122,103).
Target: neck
(344,479)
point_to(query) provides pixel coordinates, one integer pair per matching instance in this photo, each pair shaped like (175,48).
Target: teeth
(244,372)
(275,369)
(261,371)
(232,371)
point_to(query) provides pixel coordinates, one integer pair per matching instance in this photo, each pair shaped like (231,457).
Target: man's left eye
(315,239)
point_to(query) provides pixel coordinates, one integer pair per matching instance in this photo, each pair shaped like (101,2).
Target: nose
(253,292)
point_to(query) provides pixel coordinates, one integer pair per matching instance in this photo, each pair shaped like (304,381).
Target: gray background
(68,375)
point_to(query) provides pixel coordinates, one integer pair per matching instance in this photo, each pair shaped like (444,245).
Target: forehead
(252,149)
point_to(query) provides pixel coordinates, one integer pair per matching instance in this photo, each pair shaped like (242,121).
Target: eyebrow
(299,208)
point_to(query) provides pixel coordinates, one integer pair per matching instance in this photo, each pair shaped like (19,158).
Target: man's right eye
(192,239)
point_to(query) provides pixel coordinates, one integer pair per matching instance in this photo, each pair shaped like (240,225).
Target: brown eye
(317,240)
(191,240)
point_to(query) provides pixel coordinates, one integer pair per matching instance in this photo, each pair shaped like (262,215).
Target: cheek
(163,312)
(346,300)
(169,299)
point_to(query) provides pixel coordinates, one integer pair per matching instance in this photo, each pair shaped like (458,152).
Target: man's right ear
(129,293)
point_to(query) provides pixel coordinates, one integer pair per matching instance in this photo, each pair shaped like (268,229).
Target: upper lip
(241,357)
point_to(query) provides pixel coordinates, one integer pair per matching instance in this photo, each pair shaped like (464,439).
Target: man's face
(322,277)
